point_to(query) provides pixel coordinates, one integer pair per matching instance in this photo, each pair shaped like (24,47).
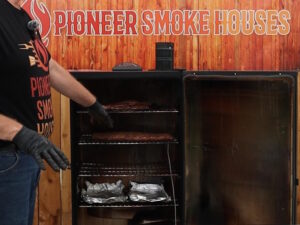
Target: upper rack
(150,111)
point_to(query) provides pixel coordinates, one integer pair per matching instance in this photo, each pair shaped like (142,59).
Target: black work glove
(40,148)
(99,115)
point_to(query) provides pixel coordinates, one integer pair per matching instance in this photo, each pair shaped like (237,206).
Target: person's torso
(24,72)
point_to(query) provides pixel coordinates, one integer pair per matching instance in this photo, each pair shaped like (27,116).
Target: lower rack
(125,170)
(128,205)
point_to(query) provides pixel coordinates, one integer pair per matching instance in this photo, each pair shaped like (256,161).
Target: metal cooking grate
(119,170)
(88,140)
(127,205)
(134,111)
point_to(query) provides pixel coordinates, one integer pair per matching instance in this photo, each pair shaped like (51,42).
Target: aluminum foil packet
(103,193)
(148,193)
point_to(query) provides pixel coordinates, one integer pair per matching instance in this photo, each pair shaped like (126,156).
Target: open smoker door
(239,149)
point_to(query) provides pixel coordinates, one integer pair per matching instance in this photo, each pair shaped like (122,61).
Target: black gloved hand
(100,116)
(40,148)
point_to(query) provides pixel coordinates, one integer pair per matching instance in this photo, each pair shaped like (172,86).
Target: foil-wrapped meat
(148,193)
(103,193)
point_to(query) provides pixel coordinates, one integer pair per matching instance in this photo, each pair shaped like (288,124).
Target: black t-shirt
(24,72)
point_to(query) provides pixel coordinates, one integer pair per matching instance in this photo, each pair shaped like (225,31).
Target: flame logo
(39,12)
(42,54)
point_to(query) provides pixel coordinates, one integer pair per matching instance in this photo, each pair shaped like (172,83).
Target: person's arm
(8,128)
(33,143)
(62,81)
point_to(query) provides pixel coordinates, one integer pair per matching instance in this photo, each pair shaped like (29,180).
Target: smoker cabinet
(231,159)
(156,110)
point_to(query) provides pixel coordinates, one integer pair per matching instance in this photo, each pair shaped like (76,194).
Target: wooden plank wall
(210,52)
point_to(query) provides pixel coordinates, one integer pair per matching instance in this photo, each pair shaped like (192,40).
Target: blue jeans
(19,176)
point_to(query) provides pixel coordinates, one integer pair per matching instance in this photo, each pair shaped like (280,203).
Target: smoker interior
(99,161)
(238,149)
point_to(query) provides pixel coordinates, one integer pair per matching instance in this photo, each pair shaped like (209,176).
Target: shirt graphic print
(40,85)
